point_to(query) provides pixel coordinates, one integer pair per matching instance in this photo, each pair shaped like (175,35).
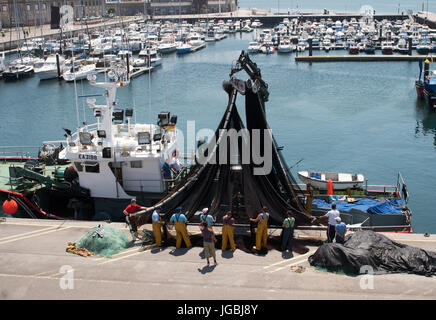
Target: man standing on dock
(331,215)
(157,225)
(262,229)
(228,231)
(288,232)
(341,229)
(205,216)
(180,221)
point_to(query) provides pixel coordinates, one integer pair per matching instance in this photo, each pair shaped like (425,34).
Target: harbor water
(344,117)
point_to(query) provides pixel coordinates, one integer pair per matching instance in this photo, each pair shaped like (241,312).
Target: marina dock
(359,57)
(34,263)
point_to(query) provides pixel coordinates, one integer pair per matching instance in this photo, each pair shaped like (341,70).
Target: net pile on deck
(367,249)
(104,240)
(215,185)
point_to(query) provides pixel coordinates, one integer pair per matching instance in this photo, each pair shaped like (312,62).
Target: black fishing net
(224,186)
(366,248)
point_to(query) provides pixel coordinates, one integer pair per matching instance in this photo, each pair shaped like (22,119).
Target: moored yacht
(53,67)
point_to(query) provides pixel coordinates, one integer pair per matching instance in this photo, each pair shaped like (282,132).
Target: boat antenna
(295,164)
(149,84)
(75,94)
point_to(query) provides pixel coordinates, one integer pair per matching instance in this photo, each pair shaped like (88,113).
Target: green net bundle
(104,240)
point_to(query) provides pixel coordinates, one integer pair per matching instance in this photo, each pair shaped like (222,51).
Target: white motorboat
(254,47)
(166,46)
(79,72)
(256,24)
(267,47)
(183,48)
(196,42)
(152,54)
(284,46)
(49,69)
(387,47)
(341,181)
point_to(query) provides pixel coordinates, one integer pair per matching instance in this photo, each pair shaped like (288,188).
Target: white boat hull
(341,181)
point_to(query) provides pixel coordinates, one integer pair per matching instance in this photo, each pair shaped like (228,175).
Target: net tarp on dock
(367,249)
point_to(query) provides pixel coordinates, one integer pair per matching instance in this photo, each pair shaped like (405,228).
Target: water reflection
(425,120)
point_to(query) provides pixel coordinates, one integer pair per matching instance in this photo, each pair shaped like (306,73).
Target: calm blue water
(346,117)
(380,6)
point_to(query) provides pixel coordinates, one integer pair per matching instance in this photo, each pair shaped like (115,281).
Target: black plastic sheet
(367,248)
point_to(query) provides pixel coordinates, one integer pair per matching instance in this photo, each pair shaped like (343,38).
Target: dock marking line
(287,266)
(44,225)
(118,254)
(292,264)
(123,257)
(292,259)
(33,235)
(26,233)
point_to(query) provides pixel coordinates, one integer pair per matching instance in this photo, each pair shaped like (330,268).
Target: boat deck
(34,265)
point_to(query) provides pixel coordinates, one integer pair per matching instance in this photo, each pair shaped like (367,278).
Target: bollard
(58,66)
(310,46)
(410,46)
(128,66)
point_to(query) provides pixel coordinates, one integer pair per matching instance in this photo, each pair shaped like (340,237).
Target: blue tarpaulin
(380,206)
(315,175)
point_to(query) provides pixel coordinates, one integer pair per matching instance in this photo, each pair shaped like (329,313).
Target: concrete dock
(35,265)
(360,57)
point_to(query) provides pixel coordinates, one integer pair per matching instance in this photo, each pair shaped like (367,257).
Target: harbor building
(37,12)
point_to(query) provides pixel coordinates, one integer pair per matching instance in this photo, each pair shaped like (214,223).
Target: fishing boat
(98,167)
(341,181)
(426,86)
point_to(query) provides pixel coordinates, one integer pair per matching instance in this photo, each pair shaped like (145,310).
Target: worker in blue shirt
(166,170)
(341,229)
(180,224)
(207,217)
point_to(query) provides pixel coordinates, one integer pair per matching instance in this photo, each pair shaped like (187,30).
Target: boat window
(136,164)
(78,166)
(91,166)
(85,138)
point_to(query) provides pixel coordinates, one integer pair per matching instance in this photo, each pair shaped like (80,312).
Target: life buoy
(10,207)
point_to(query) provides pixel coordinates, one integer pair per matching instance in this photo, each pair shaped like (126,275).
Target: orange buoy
(10,207)
(330,187)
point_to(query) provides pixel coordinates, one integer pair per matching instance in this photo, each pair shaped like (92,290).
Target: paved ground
(35,265)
